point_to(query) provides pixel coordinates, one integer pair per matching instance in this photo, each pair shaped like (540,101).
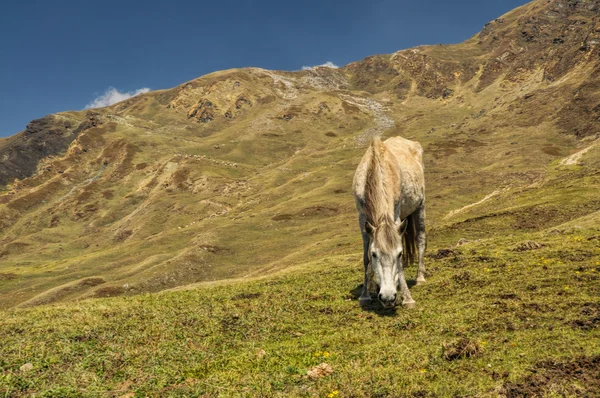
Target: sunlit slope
(244,172)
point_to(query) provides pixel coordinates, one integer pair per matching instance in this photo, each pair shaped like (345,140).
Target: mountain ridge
(246,170)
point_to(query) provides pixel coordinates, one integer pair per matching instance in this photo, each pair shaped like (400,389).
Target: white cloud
(327,64)
(112,96)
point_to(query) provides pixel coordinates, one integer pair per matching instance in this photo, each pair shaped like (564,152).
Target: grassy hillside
(228,198)
(494,318)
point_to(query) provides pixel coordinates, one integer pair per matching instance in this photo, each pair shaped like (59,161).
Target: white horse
(389,189)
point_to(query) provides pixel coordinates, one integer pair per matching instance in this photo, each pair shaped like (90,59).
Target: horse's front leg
(407,300)
(365,297)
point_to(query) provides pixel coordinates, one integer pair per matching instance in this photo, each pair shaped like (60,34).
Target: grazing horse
(389,189)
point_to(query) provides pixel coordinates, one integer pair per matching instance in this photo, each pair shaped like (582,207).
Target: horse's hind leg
(421,241)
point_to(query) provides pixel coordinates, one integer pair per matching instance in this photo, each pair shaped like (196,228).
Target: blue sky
(62,54)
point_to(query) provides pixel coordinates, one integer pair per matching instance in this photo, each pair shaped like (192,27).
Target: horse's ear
(369,228)
(403,225)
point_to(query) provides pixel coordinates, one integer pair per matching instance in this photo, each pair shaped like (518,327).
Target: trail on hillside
(576,157)
(82,184)
(382,121)
(485,199)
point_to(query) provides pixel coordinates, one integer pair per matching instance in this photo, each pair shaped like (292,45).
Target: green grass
(260,337)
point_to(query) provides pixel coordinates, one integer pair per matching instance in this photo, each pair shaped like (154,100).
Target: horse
(389,190)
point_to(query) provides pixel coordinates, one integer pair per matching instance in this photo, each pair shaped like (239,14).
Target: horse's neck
(388,194)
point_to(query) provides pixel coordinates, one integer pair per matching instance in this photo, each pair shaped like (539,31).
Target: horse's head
(385,252)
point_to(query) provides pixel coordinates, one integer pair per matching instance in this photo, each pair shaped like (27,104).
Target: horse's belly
(413,194)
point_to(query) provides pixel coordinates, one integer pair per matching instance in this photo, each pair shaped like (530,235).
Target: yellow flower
(333,394)
(423,370)
(483,342)
(326,354)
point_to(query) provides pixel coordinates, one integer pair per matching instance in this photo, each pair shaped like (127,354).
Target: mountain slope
(247,171)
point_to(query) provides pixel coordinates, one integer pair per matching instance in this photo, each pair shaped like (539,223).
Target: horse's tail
(409,241)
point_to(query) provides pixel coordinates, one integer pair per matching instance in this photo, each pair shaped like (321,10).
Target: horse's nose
(388,300)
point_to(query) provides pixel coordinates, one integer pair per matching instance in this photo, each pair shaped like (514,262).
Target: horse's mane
(379,200)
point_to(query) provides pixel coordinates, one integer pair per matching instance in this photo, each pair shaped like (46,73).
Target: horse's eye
(374,255)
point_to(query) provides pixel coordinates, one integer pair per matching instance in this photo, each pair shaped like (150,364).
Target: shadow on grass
(375,306)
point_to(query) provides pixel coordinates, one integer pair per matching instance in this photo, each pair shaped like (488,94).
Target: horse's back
(409,157)
(409,153)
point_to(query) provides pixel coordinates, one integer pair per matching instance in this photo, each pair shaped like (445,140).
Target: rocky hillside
(243,172)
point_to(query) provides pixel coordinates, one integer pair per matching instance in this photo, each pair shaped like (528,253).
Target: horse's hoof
(420,281)
(409,304)
(364,301)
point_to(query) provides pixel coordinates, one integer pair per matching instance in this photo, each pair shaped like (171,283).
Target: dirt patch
(122,236)
(246,296)
(282,217)
(109,291)
(578,377)
(94,281)
(350,108)
(180,177)
(526,246)
(313,211)
(215,249)
(87,192)
(590,317)
(319,211)
(442,149)
(574,256)
(552,150)
(540,217)
(230,323)
(508,296)
(462,278)
(443,253)
(321,370)
(7,276)
(463,348)
(286,116)
(267,99)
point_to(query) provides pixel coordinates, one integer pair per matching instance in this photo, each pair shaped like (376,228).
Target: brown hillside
(247,171)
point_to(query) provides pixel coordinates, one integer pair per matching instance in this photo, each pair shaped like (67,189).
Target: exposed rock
(202,111)
(463,348)
(241,101)
(320,370)
(26,367)
(48,136)
(529,245)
